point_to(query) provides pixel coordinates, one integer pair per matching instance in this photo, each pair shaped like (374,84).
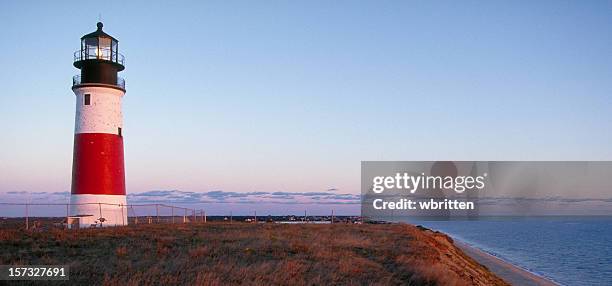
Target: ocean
(570,250)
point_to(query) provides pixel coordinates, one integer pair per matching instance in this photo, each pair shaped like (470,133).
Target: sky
(290,96)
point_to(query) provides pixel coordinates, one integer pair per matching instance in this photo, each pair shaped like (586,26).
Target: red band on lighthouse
(98,164)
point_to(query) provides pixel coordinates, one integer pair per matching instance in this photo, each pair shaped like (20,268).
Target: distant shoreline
(511,273)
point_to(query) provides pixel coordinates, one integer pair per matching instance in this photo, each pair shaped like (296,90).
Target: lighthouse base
(97,210)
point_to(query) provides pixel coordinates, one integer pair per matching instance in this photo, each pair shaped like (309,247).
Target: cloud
(34,197)
(176,196)
(157,193)
(17,193)
(331,196)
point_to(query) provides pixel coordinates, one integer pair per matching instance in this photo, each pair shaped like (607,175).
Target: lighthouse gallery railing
(96,53)
(76,80)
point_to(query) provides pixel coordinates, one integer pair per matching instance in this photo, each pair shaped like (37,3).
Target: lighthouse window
(120,135)
(87,99)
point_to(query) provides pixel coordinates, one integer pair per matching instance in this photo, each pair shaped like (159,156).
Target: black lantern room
(99,60)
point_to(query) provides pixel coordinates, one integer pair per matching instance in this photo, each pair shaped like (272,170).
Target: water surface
(570,250)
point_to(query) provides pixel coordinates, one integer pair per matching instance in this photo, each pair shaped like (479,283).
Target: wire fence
(63,215)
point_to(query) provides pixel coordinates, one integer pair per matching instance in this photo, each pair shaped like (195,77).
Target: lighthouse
(98,175)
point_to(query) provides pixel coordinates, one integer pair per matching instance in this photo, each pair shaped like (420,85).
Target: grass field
(251,254)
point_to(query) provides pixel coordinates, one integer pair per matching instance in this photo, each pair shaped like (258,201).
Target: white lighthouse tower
(98,176)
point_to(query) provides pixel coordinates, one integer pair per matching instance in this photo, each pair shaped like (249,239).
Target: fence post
(255,216)
(100,206)
(185,216)
(67,215)
(27,218)
(204,216)
(231,217)
(135,215)
(172,207)
(157,212)
(122,218)
(194,215)
(332,219)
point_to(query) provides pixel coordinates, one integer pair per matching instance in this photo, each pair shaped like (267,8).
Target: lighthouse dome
(100,46)
(99,61)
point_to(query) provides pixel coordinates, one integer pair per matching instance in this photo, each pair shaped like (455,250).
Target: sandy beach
(507,271)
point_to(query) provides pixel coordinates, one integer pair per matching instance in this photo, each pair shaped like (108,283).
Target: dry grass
(263,254)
